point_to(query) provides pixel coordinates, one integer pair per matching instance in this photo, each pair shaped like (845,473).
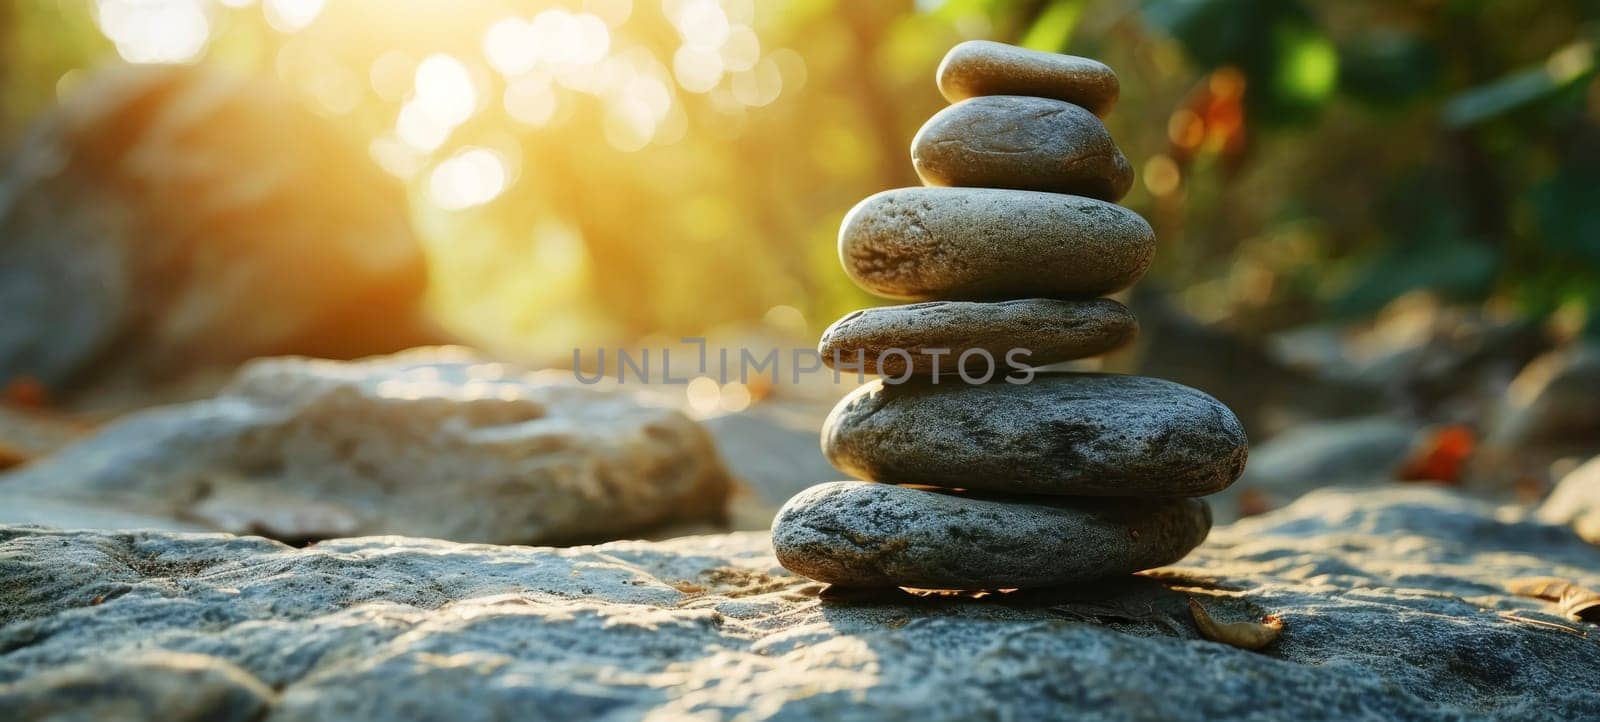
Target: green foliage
(1289,62)
(1378,147)
(1466,172)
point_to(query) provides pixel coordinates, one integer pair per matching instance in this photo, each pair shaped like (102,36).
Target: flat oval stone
(1011,141)
(860,534)
(983,243)
(1063,433)
(984,67)
(894,339)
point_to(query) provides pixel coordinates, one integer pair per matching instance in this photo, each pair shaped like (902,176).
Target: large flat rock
(1392,603)
(432,442)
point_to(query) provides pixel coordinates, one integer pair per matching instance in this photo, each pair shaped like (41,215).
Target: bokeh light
(291,15)
(511,45)
(444,89)
(155,31)
(471,177)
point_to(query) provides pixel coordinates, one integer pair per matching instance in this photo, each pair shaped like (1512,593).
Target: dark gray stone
(1063,433)
(861,534)
(984,67)
(1392,602)
(979,243)
(1049,330)
(1012,141)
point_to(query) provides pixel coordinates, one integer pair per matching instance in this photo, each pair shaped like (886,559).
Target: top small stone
(983,67)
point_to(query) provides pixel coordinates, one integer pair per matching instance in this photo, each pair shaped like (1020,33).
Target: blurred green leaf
(1290,64)
(1565,209)
(1308,66)
(1053,30)
(1564,67)
(1386,66)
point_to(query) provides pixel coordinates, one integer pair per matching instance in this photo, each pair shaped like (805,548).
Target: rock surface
(985,67)
(982,243)
(1392,604)
(861,534)
(166,222)
(1063,433)
(1010,141)
(434,442)
(1049,330)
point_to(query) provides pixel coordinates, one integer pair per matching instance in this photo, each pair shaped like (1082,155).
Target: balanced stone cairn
(977,481)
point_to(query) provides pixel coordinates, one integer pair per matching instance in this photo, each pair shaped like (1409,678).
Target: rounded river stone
(1012,141)
(983,243)
(983,67)
(860,534)
(1061,433)
(893,340)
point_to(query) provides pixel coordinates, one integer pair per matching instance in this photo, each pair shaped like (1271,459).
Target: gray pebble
(1012,141)
(984,67)
(860,534)
(983,243)
(890,339)
(1063,433)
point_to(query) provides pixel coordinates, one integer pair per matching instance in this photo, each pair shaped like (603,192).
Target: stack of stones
(1029,478)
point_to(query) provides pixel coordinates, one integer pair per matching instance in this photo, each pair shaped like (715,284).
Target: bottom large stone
(861,534)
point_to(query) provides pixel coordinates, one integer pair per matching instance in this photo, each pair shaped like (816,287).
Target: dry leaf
(1572,601)
(1441,456)
(1580,605)
(1244,635)
(1547,588)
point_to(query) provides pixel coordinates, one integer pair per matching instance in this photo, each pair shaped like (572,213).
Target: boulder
(1576,501)
(1392,606)
(168,221)
(433,442)
(1555,400)
(1367,451)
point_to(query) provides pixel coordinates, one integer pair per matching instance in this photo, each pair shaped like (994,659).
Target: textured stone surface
(1049,330)
(1063,433)
(1392,604)
(861,534)
(1010,141)
(435,442)
(978,243)
(985,67)
(171,221)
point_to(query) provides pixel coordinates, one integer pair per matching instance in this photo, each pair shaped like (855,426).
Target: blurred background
(1380,216)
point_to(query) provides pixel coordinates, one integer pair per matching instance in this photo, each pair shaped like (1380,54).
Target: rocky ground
(1393,604)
